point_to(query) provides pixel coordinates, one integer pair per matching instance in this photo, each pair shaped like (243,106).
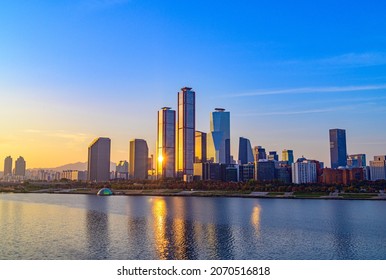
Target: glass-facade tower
(186,131)
(166,143)
(219,137)
(139,157)
(287,155)
(200,149)
(245,151)
(99,160)
(338,149)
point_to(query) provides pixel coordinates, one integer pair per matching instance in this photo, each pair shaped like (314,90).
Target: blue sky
(287,71)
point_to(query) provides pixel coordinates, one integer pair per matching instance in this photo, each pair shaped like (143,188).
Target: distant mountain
(79,166)
(72,166)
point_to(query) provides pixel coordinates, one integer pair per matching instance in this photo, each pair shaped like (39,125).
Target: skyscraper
(200,149)
(20,165)
(186,131)
(338,150)
(166,148)
(259,153)
(99,160)
(8,166)
(288,155)
(245,151)
(139,157)
(219,147)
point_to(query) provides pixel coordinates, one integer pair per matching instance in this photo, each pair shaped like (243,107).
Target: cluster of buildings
(16,173)
(186,153)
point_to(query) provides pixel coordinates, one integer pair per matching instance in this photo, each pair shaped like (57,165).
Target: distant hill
(79,166)
(72,166)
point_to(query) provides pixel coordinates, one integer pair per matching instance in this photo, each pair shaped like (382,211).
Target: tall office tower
(273,156)
(245,151)
(219,143)
(259,153)
(288,155)
(186,131)
(7,166)
(20,166)
(139,156)
(200,149)
(304,171)
(166,143)
(338,150)
(358,160)
(99,160)
(378,168)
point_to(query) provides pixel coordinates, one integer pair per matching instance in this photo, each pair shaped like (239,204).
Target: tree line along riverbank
(357,190)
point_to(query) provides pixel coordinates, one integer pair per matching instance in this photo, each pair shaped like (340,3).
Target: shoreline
(198,193)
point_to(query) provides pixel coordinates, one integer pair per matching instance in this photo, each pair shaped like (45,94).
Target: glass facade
(200,147)
(288,155)
(165,157)
(338,150)
(139,156)
(99,160)
(186,132)
(245,151)
(219,137)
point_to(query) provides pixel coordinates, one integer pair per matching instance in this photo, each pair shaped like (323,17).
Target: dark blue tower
(338,149)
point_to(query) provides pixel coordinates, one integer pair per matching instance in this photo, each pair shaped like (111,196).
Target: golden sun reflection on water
(159,212)
(255,219)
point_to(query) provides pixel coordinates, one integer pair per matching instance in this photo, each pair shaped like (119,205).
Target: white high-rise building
(304,172)
(378,168)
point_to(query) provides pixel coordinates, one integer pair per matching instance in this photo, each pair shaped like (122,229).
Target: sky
(287,71)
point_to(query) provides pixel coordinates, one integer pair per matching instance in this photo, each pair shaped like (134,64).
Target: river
(71,226)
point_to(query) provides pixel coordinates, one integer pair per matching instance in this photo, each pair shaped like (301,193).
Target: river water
(61,226)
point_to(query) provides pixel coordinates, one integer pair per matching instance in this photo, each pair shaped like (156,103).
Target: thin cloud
(347,60)
(355,59)
(71,136)
(310,90)
(77,137)
(300,112)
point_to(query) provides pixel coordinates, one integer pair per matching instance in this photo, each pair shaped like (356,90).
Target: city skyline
(73,71)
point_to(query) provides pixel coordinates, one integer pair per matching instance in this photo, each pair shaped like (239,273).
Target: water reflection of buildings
(189,228)
(174,237)
(255,219)
(341,232)
(97,227)
(160,228)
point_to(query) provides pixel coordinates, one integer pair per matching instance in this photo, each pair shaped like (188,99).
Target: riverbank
(214,193)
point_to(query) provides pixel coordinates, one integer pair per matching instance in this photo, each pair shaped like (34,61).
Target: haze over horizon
(71,71)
